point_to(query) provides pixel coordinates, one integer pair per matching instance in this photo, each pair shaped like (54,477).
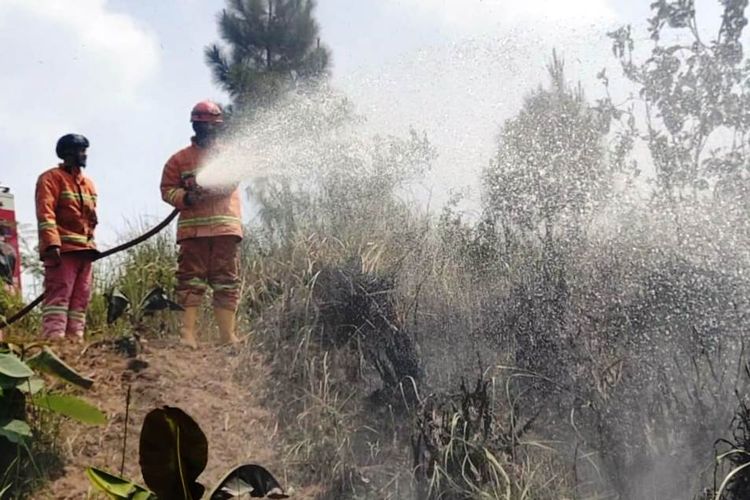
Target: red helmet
(206,111)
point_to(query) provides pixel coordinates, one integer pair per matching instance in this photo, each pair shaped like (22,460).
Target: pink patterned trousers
(67,291)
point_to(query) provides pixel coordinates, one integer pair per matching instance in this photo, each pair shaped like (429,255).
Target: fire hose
(119,248)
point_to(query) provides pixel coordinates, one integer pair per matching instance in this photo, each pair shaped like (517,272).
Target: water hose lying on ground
(119,248)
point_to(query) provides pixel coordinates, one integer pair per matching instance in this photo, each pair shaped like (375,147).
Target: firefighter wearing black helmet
(69,144)
(66,216)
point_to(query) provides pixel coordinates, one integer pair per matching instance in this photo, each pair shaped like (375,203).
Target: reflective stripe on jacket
(216,214)
(65,210)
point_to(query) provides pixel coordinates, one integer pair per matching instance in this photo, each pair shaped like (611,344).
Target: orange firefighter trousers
(208,262)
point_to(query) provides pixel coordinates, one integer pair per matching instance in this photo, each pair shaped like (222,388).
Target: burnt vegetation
(582,337)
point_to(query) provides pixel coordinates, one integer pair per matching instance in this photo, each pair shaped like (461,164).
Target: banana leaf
(249,479)
(157,300)
(71,407)
(116,487)
(46,361)
(173,452)
(117,304)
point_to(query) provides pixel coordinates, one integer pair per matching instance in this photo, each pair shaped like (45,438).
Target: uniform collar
(74,172)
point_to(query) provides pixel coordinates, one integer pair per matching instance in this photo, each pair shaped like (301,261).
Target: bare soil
(203,383)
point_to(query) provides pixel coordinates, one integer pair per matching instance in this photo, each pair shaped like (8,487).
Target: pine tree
(270,44)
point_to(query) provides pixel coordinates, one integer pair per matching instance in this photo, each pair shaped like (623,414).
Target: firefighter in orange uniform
(66,216)
(209,230)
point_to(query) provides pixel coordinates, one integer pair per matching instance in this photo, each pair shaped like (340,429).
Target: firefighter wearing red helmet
(209,229)
(66,217)
(206,111)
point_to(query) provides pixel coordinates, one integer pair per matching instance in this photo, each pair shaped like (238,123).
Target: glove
(189,183)
(51,257)
(193,197)
(194,192)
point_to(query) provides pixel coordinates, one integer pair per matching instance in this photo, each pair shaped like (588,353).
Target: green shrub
(24,403)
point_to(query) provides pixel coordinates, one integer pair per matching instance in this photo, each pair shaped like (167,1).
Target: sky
(125,73)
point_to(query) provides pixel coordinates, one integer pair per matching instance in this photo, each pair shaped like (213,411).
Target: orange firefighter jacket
(65,210)
(215,214)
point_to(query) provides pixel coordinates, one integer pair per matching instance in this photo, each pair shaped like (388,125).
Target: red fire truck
(10,257)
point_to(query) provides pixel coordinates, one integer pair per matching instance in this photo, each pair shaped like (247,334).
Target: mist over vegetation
(581,335)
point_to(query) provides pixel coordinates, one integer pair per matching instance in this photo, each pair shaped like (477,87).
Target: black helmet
(68,143)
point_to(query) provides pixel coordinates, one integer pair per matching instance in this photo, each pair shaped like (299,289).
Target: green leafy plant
(130,277)
(155,300)
(22,387)
(173,452)
(118,304)
(117,487)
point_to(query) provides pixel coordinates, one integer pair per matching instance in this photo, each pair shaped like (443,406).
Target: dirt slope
(202,383)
